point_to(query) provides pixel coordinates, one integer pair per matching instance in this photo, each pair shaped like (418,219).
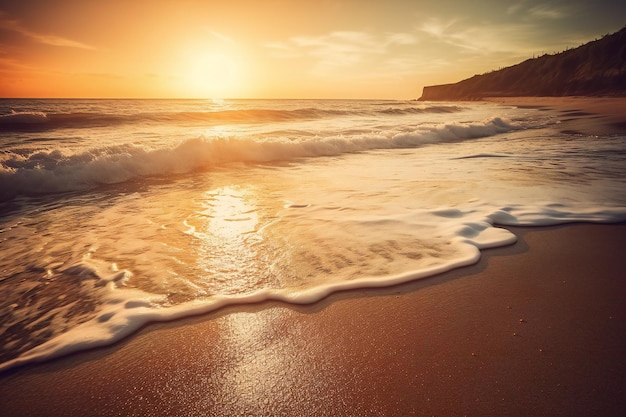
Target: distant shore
(537,328)
(582,115)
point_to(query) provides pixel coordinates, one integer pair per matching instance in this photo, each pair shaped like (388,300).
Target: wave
(483,155)
(45,172)
(40,121)
(123,311)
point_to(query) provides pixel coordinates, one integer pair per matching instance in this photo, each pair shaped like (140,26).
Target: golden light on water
(228,244)
(231,214)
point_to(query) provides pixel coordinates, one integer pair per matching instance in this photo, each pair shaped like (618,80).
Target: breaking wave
(41,121)
(55,171)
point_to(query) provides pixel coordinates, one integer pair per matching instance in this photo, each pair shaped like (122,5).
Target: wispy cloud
(515,8)
(221,37)
(453,34)
(546,12)
(542,11)
(340,48)
(11,64)
(478,39)
(7,23)
(436,27)
(401,39)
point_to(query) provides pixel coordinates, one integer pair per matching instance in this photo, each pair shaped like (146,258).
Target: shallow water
(116,213)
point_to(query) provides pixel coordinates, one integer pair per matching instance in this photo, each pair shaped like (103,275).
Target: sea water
(115,213)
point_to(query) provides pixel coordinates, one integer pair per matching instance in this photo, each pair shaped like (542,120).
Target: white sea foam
(23,118)
(55,171)
(35,120)
(123,311)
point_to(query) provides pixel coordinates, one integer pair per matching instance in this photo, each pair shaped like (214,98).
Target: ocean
(117,213)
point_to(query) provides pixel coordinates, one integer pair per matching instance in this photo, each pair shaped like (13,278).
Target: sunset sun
(213,74)
(209,65)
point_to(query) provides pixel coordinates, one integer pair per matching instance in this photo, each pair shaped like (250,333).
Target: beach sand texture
(537,328)
(582,115)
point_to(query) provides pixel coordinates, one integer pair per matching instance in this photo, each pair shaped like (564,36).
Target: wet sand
(578,115)
(537,328)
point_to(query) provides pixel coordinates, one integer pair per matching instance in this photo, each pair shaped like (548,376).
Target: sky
(276,48)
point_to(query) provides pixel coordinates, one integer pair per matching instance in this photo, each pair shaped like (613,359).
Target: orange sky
(277,49)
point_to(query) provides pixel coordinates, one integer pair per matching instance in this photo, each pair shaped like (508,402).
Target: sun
(214,75)
(206,72)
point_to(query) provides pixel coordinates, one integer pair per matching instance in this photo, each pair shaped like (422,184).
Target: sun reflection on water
(232,214)
(228,241)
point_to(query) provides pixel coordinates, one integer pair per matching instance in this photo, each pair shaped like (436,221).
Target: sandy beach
(537,328)
(579,115)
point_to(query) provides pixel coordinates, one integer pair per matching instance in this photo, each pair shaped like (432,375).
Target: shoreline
(535,328)
(592,116)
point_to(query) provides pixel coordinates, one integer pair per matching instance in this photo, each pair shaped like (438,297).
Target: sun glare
(211,74)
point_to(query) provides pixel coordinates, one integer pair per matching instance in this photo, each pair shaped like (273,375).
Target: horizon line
(201,98)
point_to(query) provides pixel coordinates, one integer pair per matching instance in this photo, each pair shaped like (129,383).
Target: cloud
(282,50)
(401,39)
(221,37)
(340,48)
(450,33)
(479,39)
(57,41)
(545,12)
(11,64)
(13,25)
(515,8)
(437,28)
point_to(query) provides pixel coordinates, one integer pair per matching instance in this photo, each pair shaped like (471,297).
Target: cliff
(593,69)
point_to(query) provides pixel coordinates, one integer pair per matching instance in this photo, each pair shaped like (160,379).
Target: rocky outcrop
(594,69)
